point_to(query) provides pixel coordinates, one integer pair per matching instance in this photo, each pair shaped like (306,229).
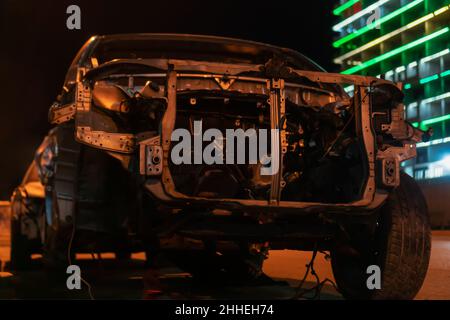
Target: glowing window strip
(389,35)
(426,122)
(435,120)
(344,7)
(371,26)
(438,11)
(429,79)
(435,56)
(349,89)
(423,124)
(426,59)
(394,52)
(432,142)
(437,98)
(358,15)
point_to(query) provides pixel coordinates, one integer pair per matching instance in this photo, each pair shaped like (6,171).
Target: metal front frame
(370,198)
(192,76)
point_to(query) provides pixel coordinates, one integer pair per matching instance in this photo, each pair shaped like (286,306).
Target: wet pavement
(111,279)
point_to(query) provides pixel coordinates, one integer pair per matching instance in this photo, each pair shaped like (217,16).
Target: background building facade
(405,41)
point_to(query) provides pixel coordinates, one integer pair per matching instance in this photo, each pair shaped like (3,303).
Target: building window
(389,75)
(419,174)
(411,70)
(438,172)
(422,155)
(400,74)
(411,111)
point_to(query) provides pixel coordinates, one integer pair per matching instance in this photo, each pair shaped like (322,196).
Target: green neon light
(435,120)
(427,122)
(429,79)
(408,86)
(393,34)
(344,7)
(394,52)
(445,73)
(371,26)
(359,14)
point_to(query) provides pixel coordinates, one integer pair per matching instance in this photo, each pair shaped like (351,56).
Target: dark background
(37,48)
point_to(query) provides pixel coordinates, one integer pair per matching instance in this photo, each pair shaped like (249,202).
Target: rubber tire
(20,255)
(55,253)
(402,243)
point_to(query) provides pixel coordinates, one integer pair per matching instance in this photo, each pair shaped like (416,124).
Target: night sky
(37,48)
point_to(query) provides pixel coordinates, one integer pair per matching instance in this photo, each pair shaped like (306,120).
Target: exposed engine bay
(321,162)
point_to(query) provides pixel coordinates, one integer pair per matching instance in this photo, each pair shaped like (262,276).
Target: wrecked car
(112,181)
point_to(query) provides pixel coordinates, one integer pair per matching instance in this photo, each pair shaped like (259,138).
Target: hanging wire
(300,292)
(69,258)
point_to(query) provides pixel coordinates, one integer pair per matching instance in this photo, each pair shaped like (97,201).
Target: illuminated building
(405,41)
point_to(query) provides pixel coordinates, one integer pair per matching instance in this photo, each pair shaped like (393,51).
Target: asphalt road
(290,265)
(131,280)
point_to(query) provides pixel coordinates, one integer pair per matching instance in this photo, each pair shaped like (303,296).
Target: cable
(300,293)
(337,137)
(345,126)
(72,236)
(69,258)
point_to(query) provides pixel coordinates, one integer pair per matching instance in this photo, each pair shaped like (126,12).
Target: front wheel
(400,246)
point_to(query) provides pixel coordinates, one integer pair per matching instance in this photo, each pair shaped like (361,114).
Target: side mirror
(110,97)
